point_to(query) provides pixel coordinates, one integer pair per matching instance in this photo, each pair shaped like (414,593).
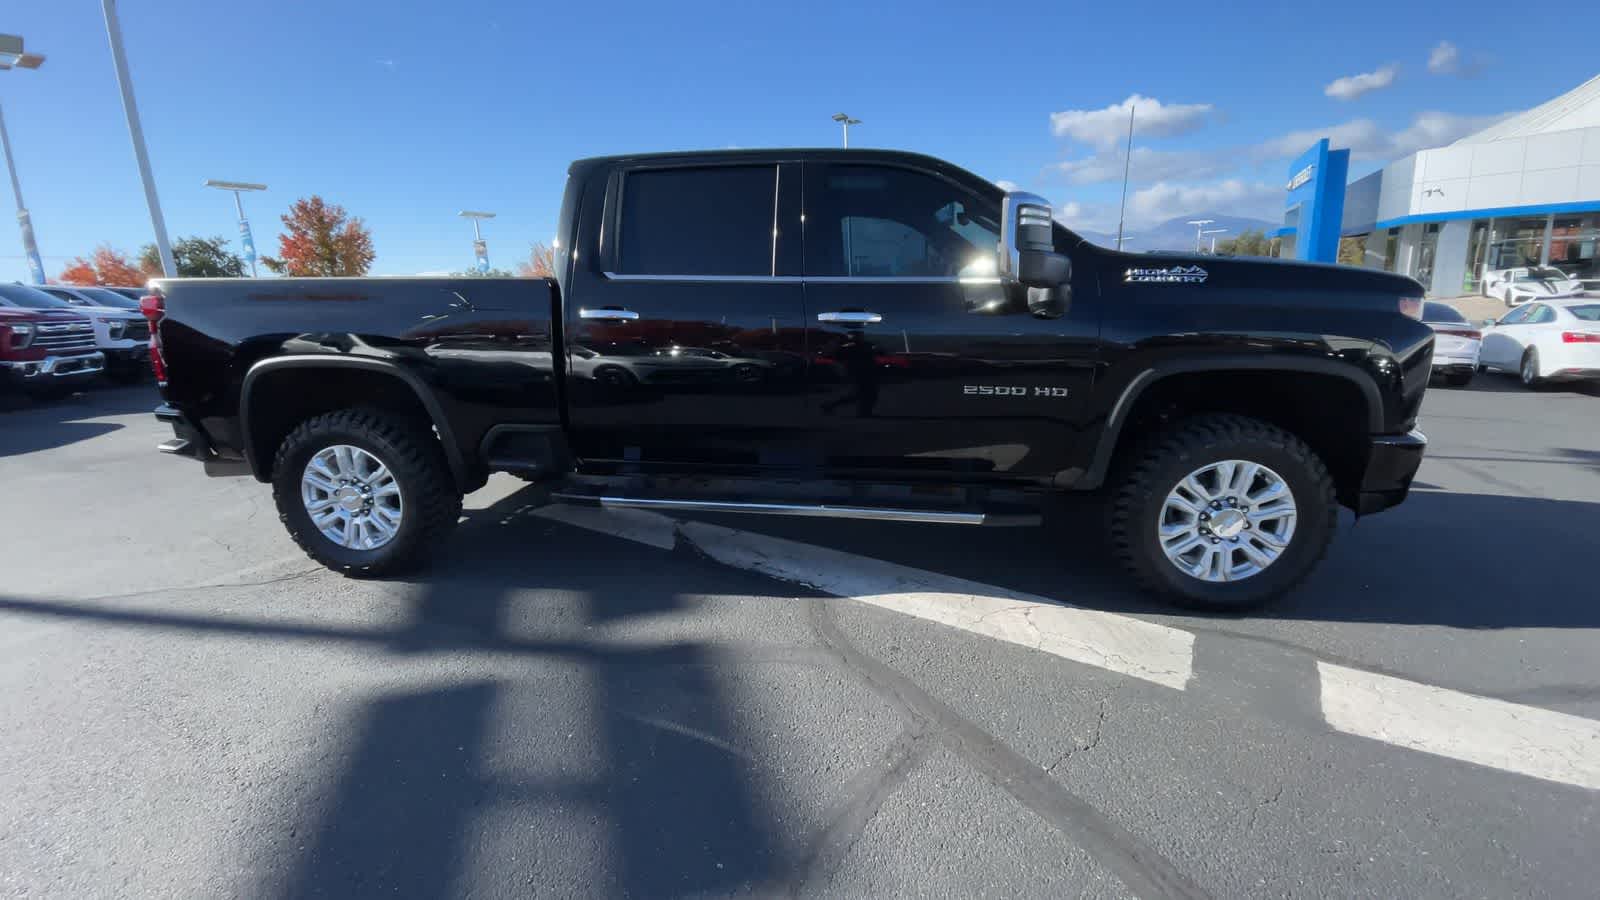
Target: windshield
(28,298)
(1543,273)
(1442,312)
(108,297)
(1589,312)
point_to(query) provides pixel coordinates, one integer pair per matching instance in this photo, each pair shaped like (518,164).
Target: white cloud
(1230,196)
(1008,186)
(1150,165)
(1445,59)
(1105,128)
(1352,86)
(1367,140)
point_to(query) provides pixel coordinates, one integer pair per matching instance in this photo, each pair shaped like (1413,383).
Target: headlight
(21,335)
(117,328)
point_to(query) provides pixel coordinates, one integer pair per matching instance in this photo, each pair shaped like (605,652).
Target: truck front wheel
(364,492)
(1223,512)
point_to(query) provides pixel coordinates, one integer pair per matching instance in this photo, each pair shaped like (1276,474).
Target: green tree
(1353,250)
(197,257)
(1253,242)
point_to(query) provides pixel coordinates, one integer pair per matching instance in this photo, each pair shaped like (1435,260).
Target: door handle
(850,317)
(609,315)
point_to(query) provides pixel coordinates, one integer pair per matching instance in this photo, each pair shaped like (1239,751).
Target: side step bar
(811,510)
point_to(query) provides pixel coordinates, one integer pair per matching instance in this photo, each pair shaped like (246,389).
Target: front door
(686,324)
(922,361)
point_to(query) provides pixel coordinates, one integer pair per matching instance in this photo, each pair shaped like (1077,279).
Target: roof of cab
(774,154)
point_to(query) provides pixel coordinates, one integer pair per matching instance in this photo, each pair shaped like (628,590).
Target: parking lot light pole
(1214,232)
(1198,225)
(846,121)
(480,248)
(246,241)
(12,56)
(136,132)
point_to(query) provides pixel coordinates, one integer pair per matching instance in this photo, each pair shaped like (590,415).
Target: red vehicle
(44,349)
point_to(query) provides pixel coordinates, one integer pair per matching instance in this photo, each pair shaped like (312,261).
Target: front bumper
(53,370)
(1392,461)
(190,441)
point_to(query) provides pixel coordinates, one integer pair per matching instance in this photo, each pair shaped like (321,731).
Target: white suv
(120,330)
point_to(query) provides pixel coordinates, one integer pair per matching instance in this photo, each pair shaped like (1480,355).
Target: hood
(108,312)
(1225,273)
(19,314)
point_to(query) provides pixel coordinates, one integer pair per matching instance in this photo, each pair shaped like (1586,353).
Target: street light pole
(846,122)
(136,133)
(480,248)
(1214,232)
(11,55)
(1199,224)
(247,242)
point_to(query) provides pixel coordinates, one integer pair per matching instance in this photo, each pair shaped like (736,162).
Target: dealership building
(1523,192)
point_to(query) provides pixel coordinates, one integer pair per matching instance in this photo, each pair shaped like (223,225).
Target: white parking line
(1119,643)
(1524,739)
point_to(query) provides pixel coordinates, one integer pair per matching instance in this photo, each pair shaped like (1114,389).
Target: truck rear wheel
(1223,512)
(364,492)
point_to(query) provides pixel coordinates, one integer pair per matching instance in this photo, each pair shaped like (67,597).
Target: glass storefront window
(1514,243)
(1391,246)
(1477,249)
(1573,245)
(1425,252)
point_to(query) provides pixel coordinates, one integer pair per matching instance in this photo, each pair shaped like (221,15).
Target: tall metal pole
(846,125)
(35,264)
(1127,163)
(136,132)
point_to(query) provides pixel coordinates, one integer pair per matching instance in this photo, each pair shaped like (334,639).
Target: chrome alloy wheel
(1227,521)
(352,497)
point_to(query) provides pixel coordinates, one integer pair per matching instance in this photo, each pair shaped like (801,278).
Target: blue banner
(35,264)
(246,241)
(480,249)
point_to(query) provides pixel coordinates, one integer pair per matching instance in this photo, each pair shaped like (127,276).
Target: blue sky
(407,112)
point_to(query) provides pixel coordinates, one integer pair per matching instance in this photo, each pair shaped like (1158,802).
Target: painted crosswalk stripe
(1110,641)
(1529,740)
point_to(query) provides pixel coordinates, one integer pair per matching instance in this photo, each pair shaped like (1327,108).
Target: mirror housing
(1027,243)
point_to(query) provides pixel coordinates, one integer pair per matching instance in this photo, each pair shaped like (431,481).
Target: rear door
(922,361)
(686,328)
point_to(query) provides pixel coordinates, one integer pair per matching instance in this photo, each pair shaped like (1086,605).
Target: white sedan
(1456,342)
(1545,341)
(1525,284)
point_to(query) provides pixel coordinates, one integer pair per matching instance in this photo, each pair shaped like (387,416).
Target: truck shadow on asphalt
(29,426)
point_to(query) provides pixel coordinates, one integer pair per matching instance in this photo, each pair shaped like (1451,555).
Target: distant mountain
(1177,235)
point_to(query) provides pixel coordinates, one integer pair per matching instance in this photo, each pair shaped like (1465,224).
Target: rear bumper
(190,441)
(1392,461)
(53,370)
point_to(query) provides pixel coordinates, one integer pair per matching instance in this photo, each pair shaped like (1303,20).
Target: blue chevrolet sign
(1315,206)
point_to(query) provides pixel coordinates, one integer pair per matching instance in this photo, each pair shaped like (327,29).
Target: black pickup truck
(864,334)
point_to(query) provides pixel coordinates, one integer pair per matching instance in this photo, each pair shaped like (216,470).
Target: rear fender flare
(424,394)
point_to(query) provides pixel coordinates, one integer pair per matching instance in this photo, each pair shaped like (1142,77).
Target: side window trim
(817,166)
(611,228)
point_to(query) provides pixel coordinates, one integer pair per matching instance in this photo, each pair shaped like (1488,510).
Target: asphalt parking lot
(569,705)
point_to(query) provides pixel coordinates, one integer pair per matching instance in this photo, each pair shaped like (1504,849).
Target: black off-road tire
(409,450)
(1169,456)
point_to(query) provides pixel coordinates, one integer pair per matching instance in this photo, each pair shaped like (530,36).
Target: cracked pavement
(552,712)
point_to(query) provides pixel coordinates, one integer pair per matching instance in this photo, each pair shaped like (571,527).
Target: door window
(1517,316)
(1541,315)
(877,222)
(698,221)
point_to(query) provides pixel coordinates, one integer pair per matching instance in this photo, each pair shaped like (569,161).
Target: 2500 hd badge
(1003,390)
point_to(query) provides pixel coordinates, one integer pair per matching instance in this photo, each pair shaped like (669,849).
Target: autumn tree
(322,239)
(1353,250)
(541,262)
(196,257)
(104,266)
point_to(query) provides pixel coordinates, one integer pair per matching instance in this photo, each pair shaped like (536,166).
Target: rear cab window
(698,221)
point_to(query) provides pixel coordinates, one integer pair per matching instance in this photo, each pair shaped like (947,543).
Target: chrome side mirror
(1027,243)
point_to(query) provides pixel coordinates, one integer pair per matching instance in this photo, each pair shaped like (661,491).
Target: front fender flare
(1129,398)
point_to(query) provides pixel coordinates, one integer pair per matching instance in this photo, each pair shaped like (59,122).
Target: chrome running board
(818,510)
